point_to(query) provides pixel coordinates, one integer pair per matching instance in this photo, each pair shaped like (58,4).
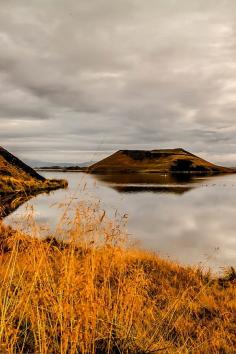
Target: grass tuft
(94,293)
(30,185)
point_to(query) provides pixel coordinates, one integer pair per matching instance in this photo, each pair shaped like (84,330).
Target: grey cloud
(81,75)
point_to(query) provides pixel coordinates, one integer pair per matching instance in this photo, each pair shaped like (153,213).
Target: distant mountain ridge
(41,164)
(159,161)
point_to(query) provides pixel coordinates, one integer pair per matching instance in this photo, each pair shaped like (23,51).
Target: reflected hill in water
(11,202)
(150,182)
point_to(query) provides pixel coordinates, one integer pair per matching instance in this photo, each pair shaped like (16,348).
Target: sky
(80,79)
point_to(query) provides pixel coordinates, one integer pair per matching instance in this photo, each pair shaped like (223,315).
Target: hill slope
(162,161)
(11,166)
(16,176)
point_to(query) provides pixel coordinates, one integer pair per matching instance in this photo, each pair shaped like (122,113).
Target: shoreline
(133,172)
(17,186)
(89,287)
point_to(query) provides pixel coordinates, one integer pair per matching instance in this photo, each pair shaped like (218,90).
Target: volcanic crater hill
(156,161)
(16,176)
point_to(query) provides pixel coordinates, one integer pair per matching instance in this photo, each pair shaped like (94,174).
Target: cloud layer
(80,79)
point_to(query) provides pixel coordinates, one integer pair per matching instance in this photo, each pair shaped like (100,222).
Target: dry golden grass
(15,177)
(96,294)
(15,185)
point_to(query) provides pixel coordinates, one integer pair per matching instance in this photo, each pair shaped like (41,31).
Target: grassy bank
(97,294)
(13,185)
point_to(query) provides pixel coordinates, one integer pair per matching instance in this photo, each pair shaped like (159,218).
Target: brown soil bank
(160,161)
(94,294)
(16,176)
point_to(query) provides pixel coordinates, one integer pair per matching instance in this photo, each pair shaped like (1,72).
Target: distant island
(62,168)
(16,176)
(156,161)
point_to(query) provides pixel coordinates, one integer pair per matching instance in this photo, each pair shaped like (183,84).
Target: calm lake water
(192,221)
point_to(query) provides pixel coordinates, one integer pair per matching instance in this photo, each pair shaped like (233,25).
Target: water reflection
(10,203)
(188,218)
(150,182)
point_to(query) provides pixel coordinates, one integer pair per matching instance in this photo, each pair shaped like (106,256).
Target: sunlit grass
(95,293)
(14,185)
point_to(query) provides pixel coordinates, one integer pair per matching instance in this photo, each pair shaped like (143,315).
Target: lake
(191,220)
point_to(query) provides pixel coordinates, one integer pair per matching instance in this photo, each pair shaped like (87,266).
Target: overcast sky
(80,79)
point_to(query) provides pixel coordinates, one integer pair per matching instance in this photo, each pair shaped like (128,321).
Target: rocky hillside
(162,161)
